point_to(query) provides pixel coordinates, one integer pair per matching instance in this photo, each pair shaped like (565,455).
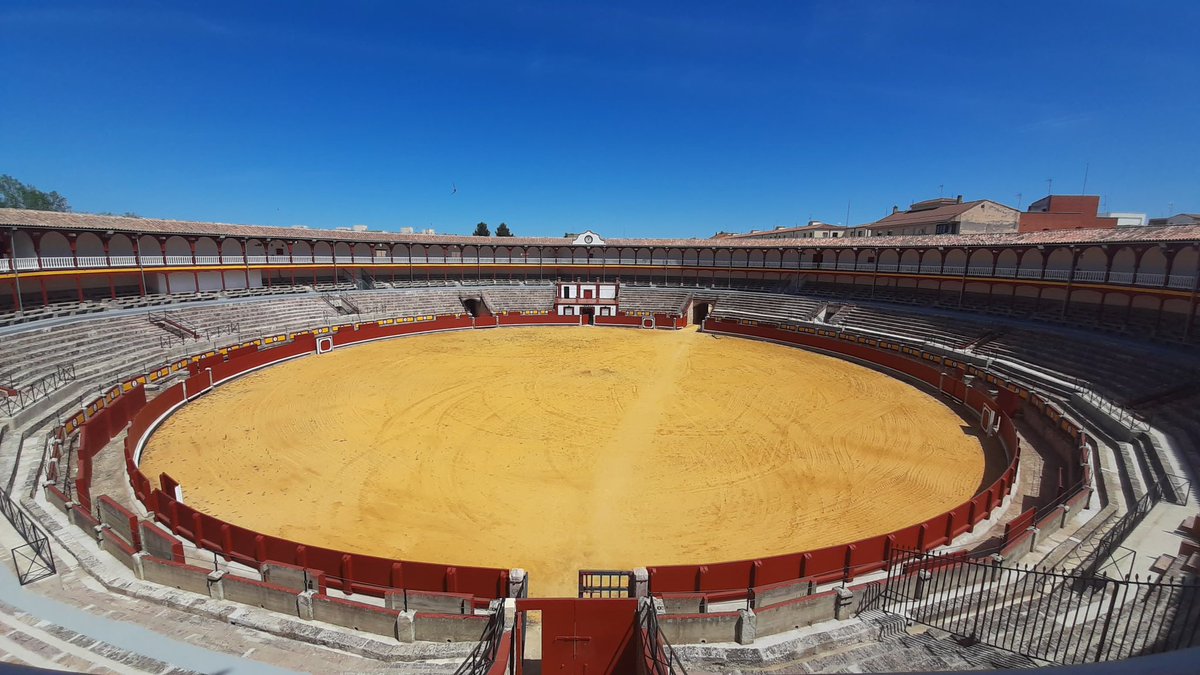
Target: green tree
(17,195)
(503,231)
(481,230)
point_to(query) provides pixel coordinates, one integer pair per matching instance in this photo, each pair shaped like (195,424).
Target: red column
(73,242)
(195,274)
(246,260)
(36,238)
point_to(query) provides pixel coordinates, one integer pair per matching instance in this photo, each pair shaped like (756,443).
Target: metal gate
(605,584)
(1042,614)
(33,559)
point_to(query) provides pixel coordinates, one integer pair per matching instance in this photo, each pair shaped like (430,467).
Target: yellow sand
(556,449)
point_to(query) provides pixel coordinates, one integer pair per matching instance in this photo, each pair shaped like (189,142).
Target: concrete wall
(448,627)
(177,575)
(120,520)
(259,594)
(367,618)
(293,577)
(685,603)
(160,543)
(122,551)
(795,613)
(783,591)
(84,521)
(429,601)
(57,498)
(699,628)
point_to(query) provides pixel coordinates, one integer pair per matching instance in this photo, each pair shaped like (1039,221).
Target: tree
(481,230)
(17,195)
(503,231)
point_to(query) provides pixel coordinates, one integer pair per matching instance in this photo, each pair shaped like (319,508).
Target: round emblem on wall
(587,239)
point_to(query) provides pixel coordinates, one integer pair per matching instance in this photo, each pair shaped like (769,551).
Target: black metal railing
(1112,539)
(1042,614)
(483,656)
(33,559)
(605,584)
(39,389)
(657,655)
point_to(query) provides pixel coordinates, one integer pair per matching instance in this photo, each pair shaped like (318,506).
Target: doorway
(700,312)
(589,315)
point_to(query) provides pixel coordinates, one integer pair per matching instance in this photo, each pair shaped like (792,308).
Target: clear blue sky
(634,120)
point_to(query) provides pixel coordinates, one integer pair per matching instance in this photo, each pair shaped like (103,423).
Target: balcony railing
(1144,279)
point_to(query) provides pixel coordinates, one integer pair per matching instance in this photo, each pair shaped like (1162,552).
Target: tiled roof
(80,221)
(940,214)
(766,234)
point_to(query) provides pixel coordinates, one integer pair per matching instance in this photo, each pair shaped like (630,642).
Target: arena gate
(606,584)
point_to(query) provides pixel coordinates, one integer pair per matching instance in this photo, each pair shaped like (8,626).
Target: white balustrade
(1177,281)
(1181,281)
(57,263)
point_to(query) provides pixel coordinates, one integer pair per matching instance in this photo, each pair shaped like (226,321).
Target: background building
(1065,212)
(1127,219)
(947,216)
(1177,219)
(815,229)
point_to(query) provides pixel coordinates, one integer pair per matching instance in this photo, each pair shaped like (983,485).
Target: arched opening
(475,307)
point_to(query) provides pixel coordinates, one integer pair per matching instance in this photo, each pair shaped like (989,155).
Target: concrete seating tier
(519,298)
(659,300)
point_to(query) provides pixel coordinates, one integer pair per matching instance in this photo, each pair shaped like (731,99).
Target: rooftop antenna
(847,213)
(941,189)
(1085,176)
(1019,195)
(1049,186)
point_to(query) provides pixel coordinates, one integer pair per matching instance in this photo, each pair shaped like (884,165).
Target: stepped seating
(520,298)
(917,327)
(422,283)
(404,303)
(658,300)
(768,306)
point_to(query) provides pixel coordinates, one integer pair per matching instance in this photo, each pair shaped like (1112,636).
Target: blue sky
(632,119)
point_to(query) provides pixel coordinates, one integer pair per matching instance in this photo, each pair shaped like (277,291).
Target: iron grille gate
(605,584)
(33,559)
(1042,614)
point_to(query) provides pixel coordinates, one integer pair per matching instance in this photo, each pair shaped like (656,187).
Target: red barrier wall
(860,557)
(369,574)
(539,319)
(350,572)
(619,321)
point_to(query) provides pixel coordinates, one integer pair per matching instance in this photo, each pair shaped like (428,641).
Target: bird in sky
(453,189)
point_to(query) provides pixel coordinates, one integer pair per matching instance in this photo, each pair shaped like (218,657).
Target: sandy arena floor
(555,449)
